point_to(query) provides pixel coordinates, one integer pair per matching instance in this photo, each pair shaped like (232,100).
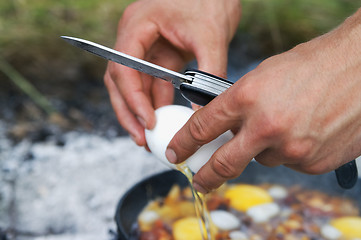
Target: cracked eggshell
(170,119)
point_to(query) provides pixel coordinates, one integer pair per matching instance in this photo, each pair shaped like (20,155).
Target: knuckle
(223,167)
(130,10)
(198,130)
(202,180)
(186,149)
(316,168)
(297,150)
(107,80)
(271,127)
(112,71)
(246,94)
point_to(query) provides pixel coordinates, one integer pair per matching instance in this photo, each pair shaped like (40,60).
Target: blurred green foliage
(30,33)
(30,29)
(281,24)
(35,20)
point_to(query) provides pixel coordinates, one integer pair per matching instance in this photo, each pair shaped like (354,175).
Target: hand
(301,108)
(168,33)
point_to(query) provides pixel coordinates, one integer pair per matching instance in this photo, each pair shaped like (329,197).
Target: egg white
(238,235)
(224,220)
(264,212)
(330,233)
(278,192)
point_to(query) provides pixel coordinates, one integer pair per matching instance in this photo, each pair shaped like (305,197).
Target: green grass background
(30,30)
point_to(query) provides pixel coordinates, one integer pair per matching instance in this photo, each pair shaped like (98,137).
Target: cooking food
(256,212)
(170,119)
(240,211)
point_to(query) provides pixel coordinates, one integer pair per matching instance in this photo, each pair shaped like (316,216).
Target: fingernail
(196,107)
(147,148)
(199,188)
(142,122)
(171,156)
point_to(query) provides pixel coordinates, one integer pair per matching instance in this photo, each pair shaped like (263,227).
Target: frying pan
(136,198)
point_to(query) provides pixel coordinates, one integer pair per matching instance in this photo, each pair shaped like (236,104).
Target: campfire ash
(70,190)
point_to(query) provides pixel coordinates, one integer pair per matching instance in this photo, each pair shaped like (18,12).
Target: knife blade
(138,64)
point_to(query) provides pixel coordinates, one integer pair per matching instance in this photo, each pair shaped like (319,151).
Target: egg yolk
(350,227)
(243,196)
(187,228)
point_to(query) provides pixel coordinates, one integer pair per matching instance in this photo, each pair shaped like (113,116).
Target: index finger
(204,126)
(226,163)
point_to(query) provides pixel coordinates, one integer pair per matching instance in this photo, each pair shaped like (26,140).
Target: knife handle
(347,175)
(204,87)
(196,95)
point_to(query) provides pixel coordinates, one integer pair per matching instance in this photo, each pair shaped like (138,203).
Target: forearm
(353,28)
(337,60)
(348,35)
(348,49)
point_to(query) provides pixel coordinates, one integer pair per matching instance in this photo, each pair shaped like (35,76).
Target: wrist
(333,62)
(337,49)
(353,23)
(350,31)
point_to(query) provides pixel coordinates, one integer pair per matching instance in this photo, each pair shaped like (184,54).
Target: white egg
(237,235)
(224,220)
(148,217)
(278,192)
(264,212)
(169,120)
(330,233)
